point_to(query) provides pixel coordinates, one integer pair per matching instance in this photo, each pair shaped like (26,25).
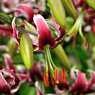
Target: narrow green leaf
(58,11)
(26,50)
(68,5)
(75,29)
(91,3)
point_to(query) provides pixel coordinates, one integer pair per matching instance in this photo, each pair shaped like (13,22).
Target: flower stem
(58,12)
(68,4)
(48,58)
(59,51)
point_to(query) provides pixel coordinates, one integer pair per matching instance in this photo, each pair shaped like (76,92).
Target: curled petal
(15,31)
(9,62)
(5,30)
(59,31)
(45,36)
(8,81)
(26,10)
(80,84)
(4,87)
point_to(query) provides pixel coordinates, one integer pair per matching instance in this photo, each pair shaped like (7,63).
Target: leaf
(68,5)
(4,18)
(75,28)
(58,11)
(91,3)
(26,50)
(25,89)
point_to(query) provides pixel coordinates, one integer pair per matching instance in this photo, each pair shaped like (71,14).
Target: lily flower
(45,35)
(9,81)
(80,85)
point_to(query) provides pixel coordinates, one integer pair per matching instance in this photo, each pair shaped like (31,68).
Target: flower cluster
(41,44)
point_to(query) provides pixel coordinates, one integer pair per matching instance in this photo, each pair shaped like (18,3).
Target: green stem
(73,31)
(59,51)
(58,12)
(48,58)
(68,4)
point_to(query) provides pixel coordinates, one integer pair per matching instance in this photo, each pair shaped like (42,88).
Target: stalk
(49,61)
(59,51)
(58,12)
(68,4)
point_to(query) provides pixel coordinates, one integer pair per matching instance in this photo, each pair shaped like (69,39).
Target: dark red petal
(45,36)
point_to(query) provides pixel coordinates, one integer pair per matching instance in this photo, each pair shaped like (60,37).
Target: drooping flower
(45,35)
(80,84)
(9,81)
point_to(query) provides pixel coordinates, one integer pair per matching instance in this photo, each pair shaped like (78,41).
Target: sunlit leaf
(26,50)
(91,3)
(58,11)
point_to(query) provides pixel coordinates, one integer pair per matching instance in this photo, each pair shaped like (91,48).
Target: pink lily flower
(44,34)
(80,85)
